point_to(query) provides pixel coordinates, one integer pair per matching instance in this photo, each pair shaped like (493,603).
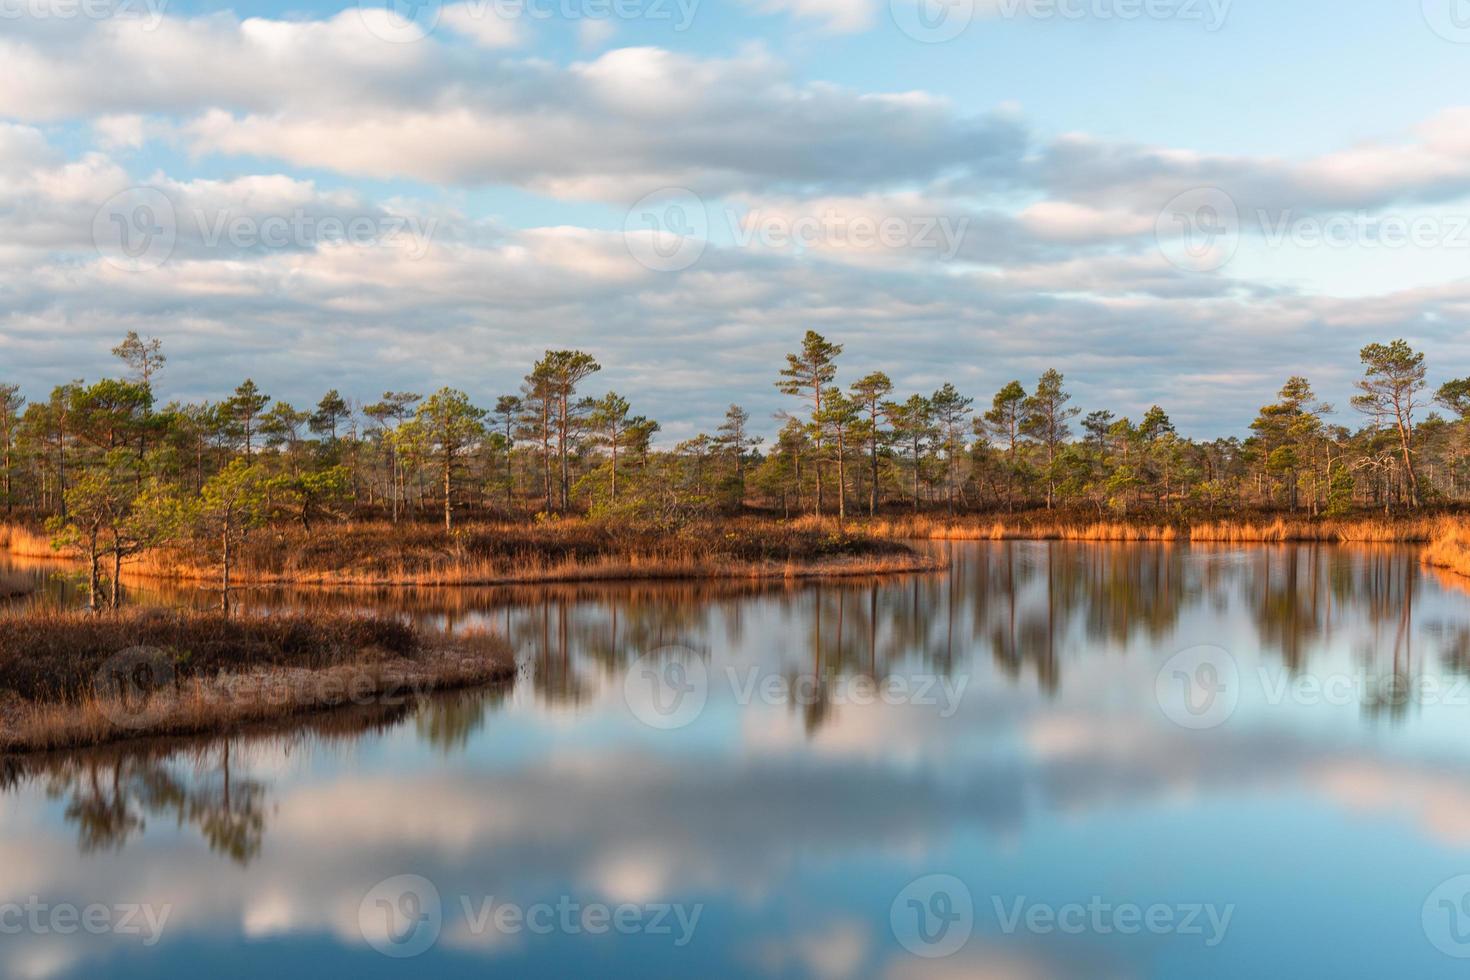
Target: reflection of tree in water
(1030,605)
(110,796)
(571,641)
(111,793)
(1453,642)
(1029,598)
(449,720)
(1291,605)
(1033,604)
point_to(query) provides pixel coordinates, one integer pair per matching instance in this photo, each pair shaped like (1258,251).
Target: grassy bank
(379,553)
(1049,527)
(70,679)
(1449,549)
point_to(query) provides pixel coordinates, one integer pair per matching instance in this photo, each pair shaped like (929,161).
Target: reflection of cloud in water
(1059,719)
(827,952)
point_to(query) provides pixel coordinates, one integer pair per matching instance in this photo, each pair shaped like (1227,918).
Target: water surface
(1277,735)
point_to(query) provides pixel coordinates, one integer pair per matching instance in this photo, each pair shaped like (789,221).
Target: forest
(102,472)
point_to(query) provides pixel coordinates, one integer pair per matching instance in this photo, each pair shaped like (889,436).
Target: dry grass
(378,553)
(1449,549)
(1048,528)
(22,541)
(72,680)
(383,554)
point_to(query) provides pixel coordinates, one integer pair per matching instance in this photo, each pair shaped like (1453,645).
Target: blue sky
(1027,174)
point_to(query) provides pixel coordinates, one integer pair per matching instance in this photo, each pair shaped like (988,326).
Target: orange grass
(19,540)
(1449,549)
(1045,528)
(377,553)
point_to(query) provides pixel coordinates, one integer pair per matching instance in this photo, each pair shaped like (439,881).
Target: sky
(1179,202)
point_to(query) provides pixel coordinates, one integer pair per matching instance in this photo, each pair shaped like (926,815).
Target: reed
(380,553)
(23,541)
(1047,528)
(72,679)
(384,554)
(1449,549)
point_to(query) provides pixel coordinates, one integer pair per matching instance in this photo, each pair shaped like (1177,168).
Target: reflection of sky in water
(1058,779)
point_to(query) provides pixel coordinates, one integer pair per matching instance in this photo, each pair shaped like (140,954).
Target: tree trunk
(561,449)
(94,579)
(916,476)
(873,457)
(116,574)
(448,511)
(841,478)
(1409,465)
(817,433)
(225,573)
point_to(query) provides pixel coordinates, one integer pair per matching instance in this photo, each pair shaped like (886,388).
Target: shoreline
(569,553)
(378,555)
(127,684)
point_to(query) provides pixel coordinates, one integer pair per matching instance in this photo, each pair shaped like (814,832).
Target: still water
(1056,760)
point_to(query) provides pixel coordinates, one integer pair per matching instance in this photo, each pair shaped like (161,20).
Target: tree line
(116,474)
